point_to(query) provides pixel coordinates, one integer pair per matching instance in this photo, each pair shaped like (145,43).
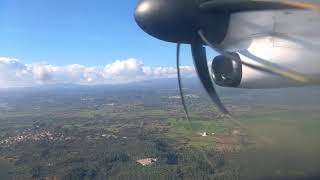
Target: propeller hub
(179,20)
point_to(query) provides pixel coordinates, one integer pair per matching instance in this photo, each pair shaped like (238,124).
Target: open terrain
(83,132)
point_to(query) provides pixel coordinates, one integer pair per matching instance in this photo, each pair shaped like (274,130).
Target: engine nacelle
(227,72)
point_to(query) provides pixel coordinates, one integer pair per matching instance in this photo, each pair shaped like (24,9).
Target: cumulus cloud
(130,69)
(14,73)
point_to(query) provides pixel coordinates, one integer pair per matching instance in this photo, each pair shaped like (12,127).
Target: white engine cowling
(274,37)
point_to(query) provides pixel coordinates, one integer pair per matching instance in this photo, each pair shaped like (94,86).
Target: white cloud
(14,73)
(127,70)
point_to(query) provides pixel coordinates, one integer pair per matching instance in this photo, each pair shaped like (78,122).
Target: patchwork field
(98,133)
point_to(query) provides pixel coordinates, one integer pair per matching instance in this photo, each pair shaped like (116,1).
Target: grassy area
(5,168)
(292,129)
(282,144)
(286,144)
(190,132)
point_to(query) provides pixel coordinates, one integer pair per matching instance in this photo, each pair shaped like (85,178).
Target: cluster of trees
(119,162)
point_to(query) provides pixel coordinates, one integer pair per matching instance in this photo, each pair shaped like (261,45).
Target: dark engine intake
(227,72)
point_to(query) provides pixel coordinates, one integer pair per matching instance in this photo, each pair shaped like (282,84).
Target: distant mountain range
(294,96)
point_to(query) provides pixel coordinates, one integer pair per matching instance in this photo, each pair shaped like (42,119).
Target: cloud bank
(14,73)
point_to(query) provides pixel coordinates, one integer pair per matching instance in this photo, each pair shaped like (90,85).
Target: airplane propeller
(180,84)
(186,21)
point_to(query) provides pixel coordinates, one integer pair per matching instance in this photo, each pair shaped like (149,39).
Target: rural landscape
(139,131)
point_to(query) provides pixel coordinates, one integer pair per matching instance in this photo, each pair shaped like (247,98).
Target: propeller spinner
(179,20)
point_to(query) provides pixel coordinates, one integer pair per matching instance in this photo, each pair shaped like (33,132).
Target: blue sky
(82,42)
(88,32)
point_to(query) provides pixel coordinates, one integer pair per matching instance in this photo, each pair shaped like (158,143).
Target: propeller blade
(200,62)
(253,5)
(275,70)
(180,84)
